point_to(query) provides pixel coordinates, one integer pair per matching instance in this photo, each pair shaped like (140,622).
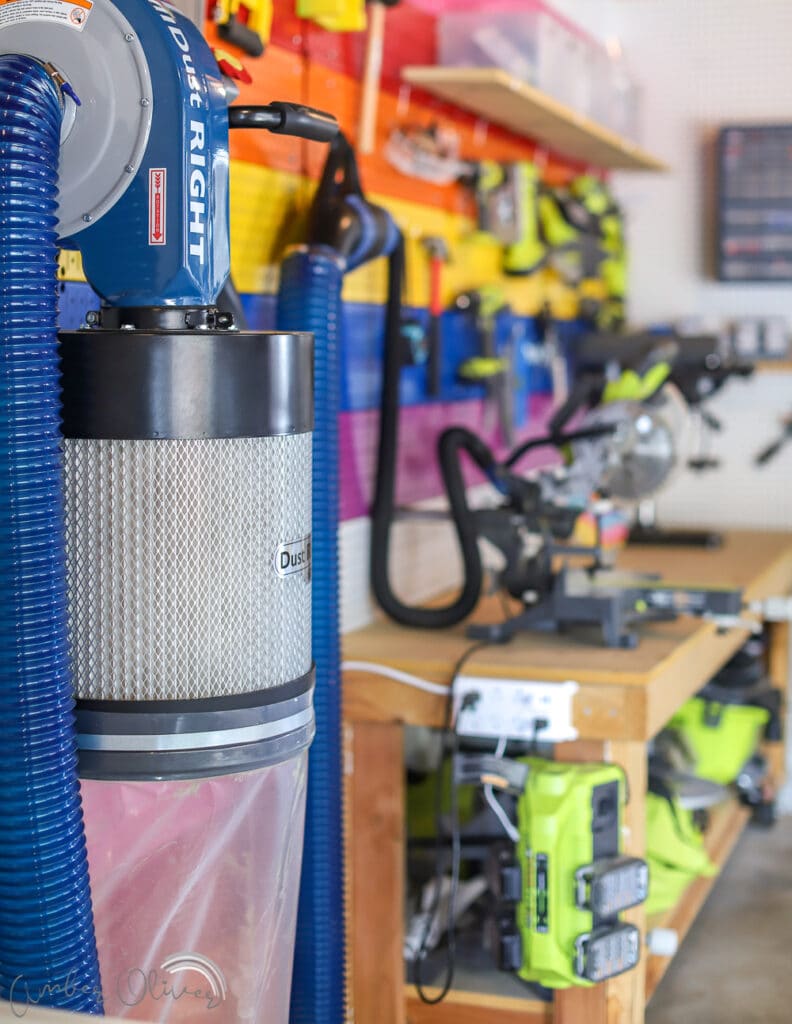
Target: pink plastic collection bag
(195,887)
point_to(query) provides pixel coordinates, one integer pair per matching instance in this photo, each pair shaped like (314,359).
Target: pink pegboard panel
(418,473)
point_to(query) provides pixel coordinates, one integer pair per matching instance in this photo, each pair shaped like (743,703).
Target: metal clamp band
(173,740)
(135,743)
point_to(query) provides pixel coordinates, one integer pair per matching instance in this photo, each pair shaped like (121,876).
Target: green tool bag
(675,852)
(575,881)
(722,737)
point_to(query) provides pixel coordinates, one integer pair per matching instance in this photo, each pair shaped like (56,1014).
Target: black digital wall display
(755,203)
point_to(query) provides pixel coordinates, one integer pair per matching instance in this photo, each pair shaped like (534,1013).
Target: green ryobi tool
(584,230)
(723,737)
(675,851)
(507,197)
(575,880)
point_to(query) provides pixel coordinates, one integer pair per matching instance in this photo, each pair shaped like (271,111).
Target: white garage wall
(704,63)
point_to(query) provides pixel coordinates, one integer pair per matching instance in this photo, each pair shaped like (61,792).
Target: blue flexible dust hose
(310,300)
(47,945)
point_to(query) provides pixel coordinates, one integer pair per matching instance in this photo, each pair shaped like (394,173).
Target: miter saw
(624,449)
(608,366)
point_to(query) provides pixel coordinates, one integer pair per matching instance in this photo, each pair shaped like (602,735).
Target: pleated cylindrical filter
(187,562)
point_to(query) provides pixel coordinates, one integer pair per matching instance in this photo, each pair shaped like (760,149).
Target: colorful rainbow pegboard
(273,179)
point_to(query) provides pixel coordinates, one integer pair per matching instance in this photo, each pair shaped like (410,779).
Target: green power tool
(507,197)
(584,229)
(674,849)
(575,879)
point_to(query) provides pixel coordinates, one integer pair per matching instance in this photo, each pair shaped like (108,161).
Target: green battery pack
(575,880)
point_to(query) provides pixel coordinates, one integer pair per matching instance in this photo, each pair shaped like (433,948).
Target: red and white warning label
(72,13)
(158,198)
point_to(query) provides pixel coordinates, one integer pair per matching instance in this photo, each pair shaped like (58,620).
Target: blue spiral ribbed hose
(47,945)
(310,300)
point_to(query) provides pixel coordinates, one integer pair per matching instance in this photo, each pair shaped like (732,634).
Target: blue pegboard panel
(363,352)
(261,311)
(75,299)
(364,333)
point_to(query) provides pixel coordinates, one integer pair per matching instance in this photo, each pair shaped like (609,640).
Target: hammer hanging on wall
(372,75)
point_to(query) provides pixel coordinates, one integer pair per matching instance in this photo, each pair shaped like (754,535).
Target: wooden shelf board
(774,366)
(498,97)
(625,694)
(474,1008)
(726,826)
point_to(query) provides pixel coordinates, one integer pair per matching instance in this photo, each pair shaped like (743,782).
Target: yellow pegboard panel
(268,211)
(475,260)
(70,266)
(267,215)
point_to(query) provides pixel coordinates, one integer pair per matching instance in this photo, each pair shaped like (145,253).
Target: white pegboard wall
(702,65)
(739,494)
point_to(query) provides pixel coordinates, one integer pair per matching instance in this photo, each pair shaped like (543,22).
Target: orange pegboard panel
(277,75)
(340,94)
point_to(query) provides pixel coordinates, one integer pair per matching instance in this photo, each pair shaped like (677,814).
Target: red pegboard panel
(409,39)
(288,31)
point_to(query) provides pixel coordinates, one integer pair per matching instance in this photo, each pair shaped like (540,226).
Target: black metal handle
(234,32)
(286,119)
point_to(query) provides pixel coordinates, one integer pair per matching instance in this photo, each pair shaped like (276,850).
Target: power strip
(514,708)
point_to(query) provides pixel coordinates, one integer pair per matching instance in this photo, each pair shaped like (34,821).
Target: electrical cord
(398,676)
(558,441)
(494,804)
(449,733)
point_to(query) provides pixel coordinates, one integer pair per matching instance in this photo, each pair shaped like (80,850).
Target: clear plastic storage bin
(506,39)
(535,44)
(527,39)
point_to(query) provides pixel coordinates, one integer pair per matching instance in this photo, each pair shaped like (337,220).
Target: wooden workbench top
(625,694)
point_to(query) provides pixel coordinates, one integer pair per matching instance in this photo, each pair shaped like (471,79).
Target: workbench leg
(778,657)
(375,835)
(622,1000)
